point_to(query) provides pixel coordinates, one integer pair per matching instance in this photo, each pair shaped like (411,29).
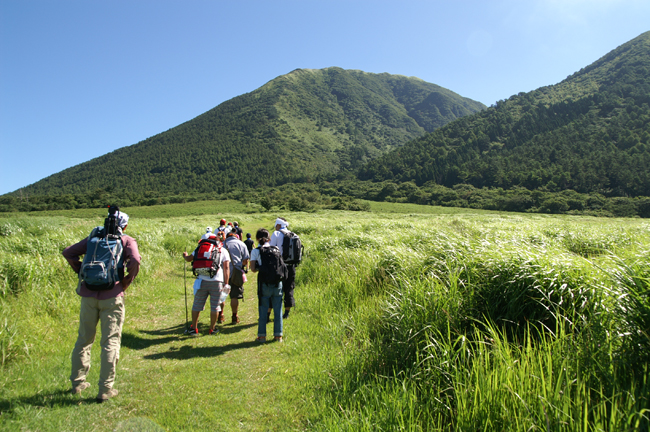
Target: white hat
(122,219)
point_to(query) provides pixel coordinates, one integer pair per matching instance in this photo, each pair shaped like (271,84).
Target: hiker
(266,260)
(211,266)
(222,225)
(102,298)
(238,230)
(249,242)
(223,228)
(277,239)
(239,257)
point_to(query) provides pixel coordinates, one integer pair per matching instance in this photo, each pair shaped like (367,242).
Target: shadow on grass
(187,352)
(59,398)
(135,342)
(175,330)
(230,328)
(172,334)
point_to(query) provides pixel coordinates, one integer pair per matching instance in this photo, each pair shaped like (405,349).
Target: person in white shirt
(288,285)
(212,286)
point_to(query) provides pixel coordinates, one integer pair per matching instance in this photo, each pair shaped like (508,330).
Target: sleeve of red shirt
(132,260)
(72,254)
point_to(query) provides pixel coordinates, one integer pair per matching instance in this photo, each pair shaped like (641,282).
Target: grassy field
(408,318)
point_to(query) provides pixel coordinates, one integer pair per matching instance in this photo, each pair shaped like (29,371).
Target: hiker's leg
(236,293)
(200,297)
(277,309)
(213,319)
(234,305)
(111,313)
(88,317)
(216,308)
(195,318)
(264,302)
(288,287)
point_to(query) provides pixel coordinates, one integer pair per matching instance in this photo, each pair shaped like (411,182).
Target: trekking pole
(185,284)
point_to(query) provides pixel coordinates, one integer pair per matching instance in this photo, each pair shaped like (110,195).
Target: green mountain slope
(589,133)
(302,126)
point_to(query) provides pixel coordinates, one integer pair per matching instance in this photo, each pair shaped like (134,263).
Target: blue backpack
(103,264)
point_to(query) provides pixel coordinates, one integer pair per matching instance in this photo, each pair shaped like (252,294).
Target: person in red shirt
(106,306)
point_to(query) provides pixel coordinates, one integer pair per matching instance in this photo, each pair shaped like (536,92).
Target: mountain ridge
(588,133)
(301,126)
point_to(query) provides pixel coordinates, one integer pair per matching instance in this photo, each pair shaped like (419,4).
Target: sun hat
(122,219)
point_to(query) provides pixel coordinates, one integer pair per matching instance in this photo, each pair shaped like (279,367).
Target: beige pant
(111,313)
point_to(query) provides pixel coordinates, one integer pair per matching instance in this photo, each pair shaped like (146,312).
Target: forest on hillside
(306,126)
(589,134)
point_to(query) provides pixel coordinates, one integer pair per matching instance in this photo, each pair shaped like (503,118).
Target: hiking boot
(285,315)
(192,331)
(81,387)
(213,332)
(261,339)
(103,397)
(235,319)
(220,320)
(278,339)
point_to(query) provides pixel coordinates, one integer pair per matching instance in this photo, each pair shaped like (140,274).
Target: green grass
(405,321)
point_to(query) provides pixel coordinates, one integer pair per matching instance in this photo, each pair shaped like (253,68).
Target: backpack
(272,269)
(236,274)
(207,258)
(103,263)
(291,248)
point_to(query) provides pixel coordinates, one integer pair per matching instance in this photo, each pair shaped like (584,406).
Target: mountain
(303,126)
(589,133)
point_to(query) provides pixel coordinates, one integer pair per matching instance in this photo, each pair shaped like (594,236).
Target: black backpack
(272,269)
(291,248)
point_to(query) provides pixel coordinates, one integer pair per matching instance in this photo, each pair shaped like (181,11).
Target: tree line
(353,195)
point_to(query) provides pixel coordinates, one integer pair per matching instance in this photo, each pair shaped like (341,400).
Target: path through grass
(408,322)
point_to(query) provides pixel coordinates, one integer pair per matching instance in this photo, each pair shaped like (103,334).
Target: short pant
(213,288)
(236,292)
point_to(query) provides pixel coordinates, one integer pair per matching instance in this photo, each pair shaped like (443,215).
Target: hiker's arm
(254,266)
(187,257)
(244,263)
(72,254)
(132,260)
(226,271)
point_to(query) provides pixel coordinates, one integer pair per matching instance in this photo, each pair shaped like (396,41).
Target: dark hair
(262,235)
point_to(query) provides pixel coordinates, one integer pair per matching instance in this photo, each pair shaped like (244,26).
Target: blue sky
(79,79)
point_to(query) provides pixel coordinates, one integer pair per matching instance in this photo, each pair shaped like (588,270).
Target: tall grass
(417,323)
(494,325)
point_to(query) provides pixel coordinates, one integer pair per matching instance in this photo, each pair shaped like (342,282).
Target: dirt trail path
(223,382)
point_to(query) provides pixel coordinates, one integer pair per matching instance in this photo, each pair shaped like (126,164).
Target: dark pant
(288,285)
